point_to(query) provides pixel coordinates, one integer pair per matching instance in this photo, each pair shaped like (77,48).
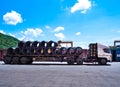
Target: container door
(118,55)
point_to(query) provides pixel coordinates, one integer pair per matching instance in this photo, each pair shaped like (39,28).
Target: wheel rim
(103,61)
(70,61)
(7,60)
(79,62)
(26,60)
(23,60)
(16,60)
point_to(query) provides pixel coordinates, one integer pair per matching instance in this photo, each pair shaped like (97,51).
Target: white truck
(98,53)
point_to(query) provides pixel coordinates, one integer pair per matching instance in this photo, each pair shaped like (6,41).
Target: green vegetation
(7,41)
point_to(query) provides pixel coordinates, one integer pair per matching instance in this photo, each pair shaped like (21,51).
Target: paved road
(59,75)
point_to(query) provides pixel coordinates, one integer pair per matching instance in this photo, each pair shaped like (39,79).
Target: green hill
(7,41)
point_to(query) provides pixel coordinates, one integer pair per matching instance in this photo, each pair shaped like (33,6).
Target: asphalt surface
(60,75)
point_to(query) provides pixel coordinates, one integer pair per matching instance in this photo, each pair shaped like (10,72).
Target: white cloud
(60,36)
(11,34)
(31,34)
(12,18)
(1,31)
(118,31)
(58,29)
(47,27)
(78,33)
(34,32)
(81,5)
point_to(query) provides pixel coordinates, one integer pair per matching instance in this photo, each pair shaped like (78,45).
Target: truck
(27,52)
(99,53)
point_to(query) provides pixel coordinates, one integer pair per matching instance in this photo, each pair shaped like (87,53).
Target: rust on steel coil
(21,44)
(52,44)
(43,44)
(71,50)
(35,44)
(78,50)
(41,50)
(34,50)
(49,50)
(10,51)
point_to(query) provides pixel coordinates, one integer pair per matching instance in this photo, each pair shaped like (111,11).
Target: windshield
(107,50)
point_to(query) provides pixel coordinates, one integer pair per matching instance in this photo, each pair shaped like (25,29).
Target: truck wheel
(103,61)
(79,61)
(70,61)
(7,59)
(30,60)
(24,60)
(16,60)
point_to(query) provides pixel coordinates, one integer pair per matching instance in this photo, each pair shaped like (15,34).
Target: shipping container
(113,51)
(118,55)
(115,54)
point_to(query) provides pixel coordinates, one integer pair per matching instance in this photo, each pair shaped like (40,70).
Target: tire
(16,60)
(30,60)
(79,61)
(70,61)
(26,60)
(103,61)
(7,60)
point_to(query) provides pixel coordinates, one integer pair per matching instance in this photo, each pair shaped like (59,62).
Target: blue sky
(80,21)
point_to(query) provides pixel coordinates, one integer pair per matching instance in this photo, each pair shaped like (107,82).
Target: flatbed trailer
(97,53)
(28,59)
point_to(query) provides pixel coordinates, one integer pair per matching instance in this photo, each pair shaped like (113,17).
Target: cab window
(106,50)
